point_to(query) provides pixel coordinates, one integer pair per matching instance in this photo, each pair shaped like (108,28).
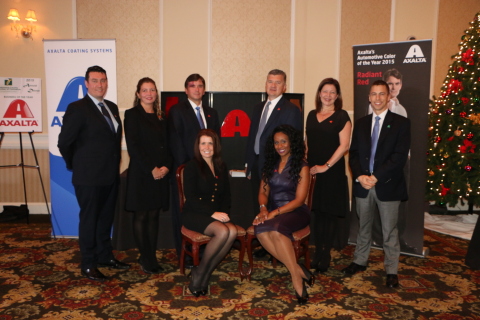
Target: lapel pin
(388,126)
(278,108)
(331,121)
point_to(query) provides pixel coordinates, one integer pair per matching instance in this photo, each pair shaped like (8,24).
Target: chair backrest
(181,194)
(309,198)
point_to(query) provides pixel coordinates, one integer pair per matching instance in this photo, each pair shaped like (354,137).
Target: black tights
(324,230)
(145,231)
(223,235)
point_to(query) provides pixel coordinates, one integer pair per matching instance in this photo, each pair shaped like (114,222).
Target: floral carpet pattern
(40,279)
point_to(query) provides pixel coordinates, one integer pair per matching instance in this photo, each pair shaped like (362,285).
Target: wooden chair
(300,240)
(196,239)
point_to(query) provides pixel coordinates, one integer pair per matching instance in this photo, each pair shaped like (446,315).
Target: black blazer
(146,137)
(204,195)
(88,145)
(183,128)
(390,158)
(285,112)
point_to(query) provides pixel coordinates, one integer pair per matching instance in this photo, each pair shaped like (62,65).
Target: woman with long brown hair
(147,180)
(207,206)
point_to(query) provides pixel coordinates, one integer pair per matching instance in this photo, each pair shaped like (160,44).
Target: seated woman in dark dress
(207,205)
(282,195)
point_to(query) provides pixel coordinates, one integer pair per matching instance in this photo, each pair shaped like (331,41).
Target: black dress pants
(97,209)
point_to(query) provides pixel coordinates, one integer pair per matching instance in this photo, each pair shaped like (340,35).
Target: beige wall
(185,32)
(414,18)
(241,56)
(24,58)
(136,30)
(233,43)
(316,46)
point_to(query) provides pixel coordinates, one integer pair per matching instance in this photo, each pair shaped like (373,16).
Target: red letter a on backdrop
(236,121)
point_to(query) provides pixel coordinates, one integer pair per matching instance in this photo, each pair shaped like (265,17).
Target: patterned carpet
(40,279)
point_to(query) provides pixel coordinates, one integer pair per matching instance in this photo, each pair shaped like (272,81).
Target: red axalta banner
(20,105)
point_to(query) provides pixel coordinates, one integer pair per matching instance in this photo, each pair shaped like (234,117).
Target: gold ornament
(475,118)
(458,133)
(431,173)
(446,155)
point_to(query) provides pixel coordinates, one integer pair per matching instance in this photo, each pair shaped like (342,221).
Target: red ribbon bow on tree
(468,146)
(467,57)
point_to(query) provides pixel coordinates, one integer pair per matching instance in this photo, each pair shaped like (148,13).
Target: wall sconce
(25,30)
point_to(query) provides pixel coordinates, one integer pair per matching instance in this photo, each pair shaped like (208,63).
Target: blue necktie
(373,150)
(199,118)
(261,126)
(107,116)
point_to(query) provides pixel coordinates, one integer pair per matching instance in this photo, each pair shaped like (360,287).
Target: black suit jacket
(183,128)
(88,145)
(146,138)
(285,112)
(204,195)
(390,157)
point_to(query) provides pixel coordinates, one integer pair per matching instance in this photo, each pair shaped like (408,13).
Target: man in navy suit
(185,120)
(276,110)
(90,145)
(378,153)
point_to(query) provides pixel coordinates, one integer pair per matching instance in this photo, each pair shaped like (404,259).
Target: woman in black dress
(328,133)
(150,162)
(282,195)
(207,205)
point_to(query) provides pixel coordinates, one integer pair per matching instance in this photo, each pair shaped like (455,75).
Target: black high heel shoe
(156,270)
(311,278)
(194,291)
(320,270)
(152,271)
(304,297)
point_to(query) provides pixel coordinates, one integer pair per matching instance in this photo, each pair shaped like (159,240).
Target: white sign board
(20,104)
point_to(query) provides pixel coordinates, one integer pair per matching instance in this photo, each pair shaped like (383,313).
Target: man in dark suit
(90,144)
(185,120)
(267,115)
(378,153)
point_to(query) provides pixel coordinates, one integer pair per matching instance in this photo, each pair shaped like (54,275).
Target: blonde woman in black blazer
(150,163)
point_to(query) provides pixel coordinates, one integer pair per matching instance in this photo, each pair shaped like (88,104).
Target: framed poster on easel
(21,112)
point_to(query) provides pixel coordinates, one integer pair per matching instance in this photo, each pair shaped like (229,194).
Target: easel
(23,166)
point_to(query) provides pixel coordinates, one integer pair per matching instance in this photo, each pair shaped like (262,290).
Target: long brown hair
(156,103)
(218,163)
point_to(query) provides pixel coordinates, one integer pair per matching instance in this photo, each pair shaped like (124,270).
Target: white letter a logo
(414,52)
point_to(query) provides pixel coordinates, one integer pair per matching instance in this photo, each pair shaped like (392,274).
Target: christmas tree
(453,170)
